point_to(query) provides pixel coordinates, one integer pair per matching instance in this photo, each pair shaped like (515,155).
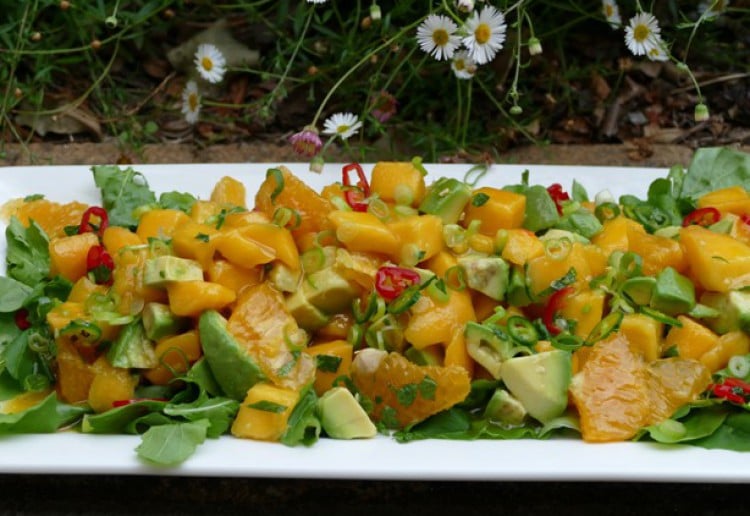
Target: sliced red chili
(702,217)
(87,227)
(391,281)
(21,319)
(727,392)
(736,383)
(558,195)
(554,305)
(745,218)
(355,192)
(99,265)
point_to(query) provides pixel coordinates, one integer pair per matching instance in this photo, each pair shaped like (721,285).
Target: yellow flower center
(440,37)
(342,129)
(641,33)
(482,33)
(207,63)
(193,101)
(608,10)
(459,64)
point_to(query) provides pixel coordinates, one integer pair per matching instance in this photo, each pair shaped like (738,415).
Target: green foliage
(317,59)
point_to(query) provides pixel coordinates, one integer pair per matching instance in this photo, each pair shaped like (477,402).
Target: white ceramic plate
(379,458)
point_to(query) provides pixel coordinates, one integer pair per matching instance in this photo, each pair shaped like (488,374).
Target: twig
(715,80)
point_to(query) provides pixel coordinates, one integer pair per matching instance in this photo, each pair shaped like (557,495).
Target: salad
(399,303)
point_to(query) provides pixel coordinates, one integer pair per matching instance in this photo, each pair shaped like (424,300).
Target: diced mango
(83,288)
(333,359)
(614,234)
(521,245)
(206,212)
(118,237)
(420,238)
(501,209)
(68,255)
(191,298)
(545,269)
(732,199)
(692,339)
(193,240)
(729,345)
(160,223)
(363,231)
(232,276)
(228,190)
(586,308)
(643,334)
(175,354)
(658,252)
(277,238)
(716,262)
(109,385)
(432,322)
(393,181)
(264,413)
(241,250)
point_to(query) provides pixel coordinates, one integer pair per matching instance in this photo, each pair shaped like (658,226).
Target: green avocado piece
(733,309)
(234,369)
(489,275)
(159,271)
(307,315)
(132,348)
(446,198)
(342,417)
(329,291)
(159,321)
(673,293)
(540,382)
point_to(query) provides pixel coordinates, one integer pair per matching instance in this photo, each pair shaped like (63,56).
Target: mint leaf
(27,259)
(12,294)
(122,192)
(303,426)
(169,445)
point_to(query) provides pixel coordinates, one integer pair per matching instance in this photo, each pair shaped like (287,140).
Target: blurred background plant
(563,72)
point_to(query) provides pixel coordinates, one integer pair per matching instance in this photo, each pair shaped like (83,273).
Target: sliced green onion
(567,342)
(522,330)
(661,317)
(36,382)
(501,240)
(499,315)
(313,259)
(321,238)
(38,343)
(475,173)
(473,228)
(283,215)
(87,331)
(371,308)
(405,300)
(739,366)
(416,161)
(278,176)
(159,247)
(558,248)
(438,291)
(604,328)
(411,255)
(454,278)
(453,235)
(403,195)
(378,207)
(630,265)
(340,203)
(606,211)
(405,211)
(355,335)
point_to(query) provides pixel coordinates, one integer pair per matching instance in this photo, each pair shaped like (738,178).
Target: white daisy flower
(486,34)
(465,6)
(437,36)
(611,12)
(316,1)
(713,8)
(344,125)
(210,62)
(463,65)
(191,102)
(642,33)
(658,52)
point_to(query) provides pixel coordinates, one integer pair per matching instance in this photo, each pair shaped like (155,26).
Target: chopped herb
(287,367)
(71,230)
(327,363)
(33,197)
(268,406)
(480,199)
(389,417)
(202,237)
(427,388)
(278,176)
(406,394)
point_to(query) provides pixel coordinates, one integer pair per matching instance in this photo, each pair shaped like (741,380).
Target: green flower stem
(359,63)
(502,110)
(300,39)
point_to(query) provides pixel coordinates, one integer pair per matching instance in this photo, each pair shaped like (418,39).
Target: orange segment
(51,216)
(404,393)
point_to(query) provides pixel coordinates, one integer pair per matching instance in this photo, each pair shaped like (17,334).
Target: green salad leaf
(714,168)
(170,445)
(12,294)
(43,418)
(122,192)
(304,425)
(28,258)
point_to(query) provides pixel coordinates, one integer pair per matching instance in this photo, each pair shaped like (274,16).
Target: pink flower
(384,107)
(306,142)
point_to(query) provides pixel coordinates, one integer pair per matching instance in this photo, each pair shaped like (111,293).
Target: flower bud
(316,164)
(366,23)
(96,44)
(701,112)
(535,46)
(36,36)
(375,13)
(516,110)
(465,6)
(64,5)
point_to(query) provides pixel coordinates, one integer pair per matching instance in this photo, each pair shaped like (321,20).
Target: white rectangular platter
(381,458)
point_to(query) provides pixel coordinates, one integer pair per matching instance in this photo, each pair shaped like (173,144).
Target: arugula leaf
(202,376)
(122,192)
(177,201)
(9,386)
(219,412)
(28,258)
(303,426)
(8,332)
(12,294)
(45,417)
(116,421)
(699,423)
(20,360)
(169,445)
(714,168)
(734,434)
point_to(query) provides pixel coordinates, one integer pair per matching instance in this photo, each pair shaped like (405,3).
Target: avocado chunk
(342,417)
(233,368)
(490,347)
(673,293)
(518,291)
(329,291)
(489,275)
(284,278)
(733,309)
(308,316)
(132,348)
(639,289)
(504,408)
(159,321)
(540,382)
(157,272)
(446,198)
